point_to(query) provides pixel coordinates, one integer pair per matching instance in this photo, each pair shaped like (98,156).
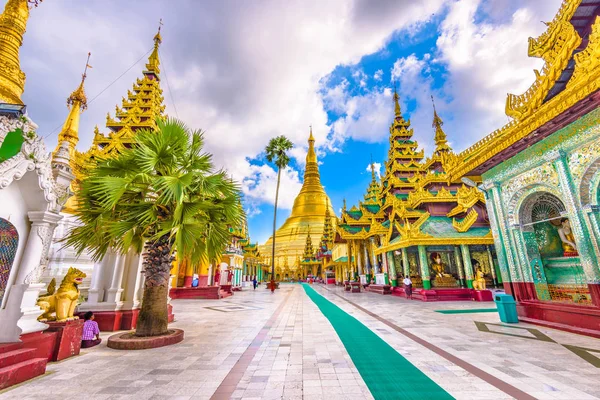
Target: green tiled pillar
(424,267)
(467,263)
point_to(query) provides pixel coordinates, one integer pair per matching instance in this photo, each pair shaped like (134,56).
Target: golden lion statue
(59,305)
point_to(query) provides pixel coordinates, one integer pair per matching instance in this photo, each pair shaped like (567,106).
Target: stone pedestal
(68,338)
(483,295)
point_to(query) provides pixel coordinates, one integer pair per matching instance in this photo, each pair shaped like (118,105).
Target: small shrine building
(541,176)
(419,221)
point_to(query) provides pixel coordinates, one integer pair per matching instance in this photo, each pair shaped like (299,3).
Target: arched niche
(9,243)
(589,189)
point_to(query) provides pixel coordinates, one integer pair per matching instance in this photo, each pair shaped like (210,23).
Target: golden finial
(13,23)
(441,142)
(372,169)
(344,207)
(76,103)
(397,111)
(153,60)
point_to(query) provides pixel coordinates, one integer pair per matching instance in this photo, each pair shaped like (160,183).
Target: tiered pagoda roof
(139,110)
(417,202)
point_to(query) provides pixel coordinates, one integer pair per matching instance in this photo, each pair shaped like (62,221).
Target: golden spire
(311,172)
(309,252)
(13,22)
(373,179)
(441,143)
(153,60)
(397,112)
(76,103)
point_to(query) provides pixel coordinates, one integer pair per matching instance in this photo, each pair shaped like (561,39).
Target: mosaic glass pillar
(459,267)
(584,247)
(592,212)
(499,231)
(466,253)
(424,267)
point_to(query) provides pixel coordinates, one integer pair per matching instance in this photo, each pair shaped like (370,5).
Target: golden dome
(308,213)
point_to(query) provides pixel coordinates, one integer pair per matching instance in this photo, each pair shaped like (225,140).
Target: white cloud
(485,61)
(378,75)
(376,167)
(242,71)
(366,117)
(260,183)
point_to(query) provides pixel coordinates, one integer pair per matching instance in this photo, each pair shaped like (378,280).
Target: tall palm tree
(158,197)
(276,152)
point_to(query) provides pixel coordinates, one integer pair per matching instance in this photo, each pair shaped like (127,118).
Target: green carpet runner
(467,311)
(387,374)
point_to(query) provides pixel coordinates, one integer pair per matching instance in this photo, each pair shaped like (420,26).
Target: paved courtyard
(255,345)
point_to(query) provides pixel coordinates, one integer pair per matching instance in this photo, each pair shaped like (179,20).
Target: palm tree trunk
(274,230)
(154,317)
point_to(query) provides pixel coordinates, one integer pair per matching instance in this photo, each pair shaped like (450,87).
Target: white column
(138,293)
(132,277)
(21,312)
(113,295)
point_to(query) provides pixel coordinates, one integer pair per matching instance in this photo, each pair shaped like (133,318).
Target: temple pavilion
(541,176)
(419,221)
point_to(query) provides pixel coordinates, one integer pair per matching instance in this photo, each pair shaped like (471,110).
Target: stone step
(15,357)
(21,372)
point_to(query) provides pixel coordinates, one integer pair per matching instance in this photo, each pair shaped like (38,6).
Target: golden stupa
(308,213)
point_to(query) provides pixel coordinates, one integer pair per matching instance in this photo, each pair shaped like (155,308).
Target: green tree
(276,152)
(158,197)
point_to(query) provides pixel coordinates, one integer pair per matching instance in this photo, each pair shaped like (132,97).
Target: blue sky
(344,170)
(245,72)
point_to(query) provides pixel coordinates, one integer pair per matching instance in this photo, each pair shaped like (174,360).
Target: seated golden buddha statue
(441,279)
(567,238)
(479,276)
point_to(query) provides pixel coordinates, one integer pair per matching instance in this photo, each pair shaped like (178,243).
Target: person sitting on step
(91,332)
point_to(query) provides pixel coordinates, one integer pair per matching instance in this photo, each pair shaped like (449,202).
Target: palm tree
(276,152)
(158,197)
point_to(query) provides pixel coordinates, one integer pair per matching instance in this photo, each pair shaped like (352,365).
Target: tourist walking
(91,333)
(408,287)
(254,283)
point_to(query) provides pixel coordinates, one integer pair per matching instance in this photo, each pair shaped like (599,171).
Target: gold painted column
(425,275)
(466,253)
(405,263)
(459,267)
(492,267)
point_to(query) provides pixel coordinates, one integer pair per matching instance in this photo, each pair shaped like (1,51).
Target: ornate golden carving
(13,22)
(466,223)
(555,46)
(588,60)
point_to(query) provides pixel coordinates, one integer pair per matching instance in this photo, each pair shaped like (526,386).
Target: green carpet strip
(387,374)
(471,311)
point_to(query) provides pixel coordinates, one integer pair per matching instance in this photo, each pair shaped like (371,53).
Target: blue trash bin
(507,308)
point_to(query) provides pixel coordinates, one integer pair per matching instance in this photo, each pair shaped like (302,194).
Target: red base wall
(206,292)
(110,321)
(457,294)
(203,280)
(583,320)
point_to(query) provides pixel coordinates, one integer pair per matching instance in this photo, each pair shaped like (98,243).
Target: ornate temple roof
(417,202)
(139,110)
(565,89)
